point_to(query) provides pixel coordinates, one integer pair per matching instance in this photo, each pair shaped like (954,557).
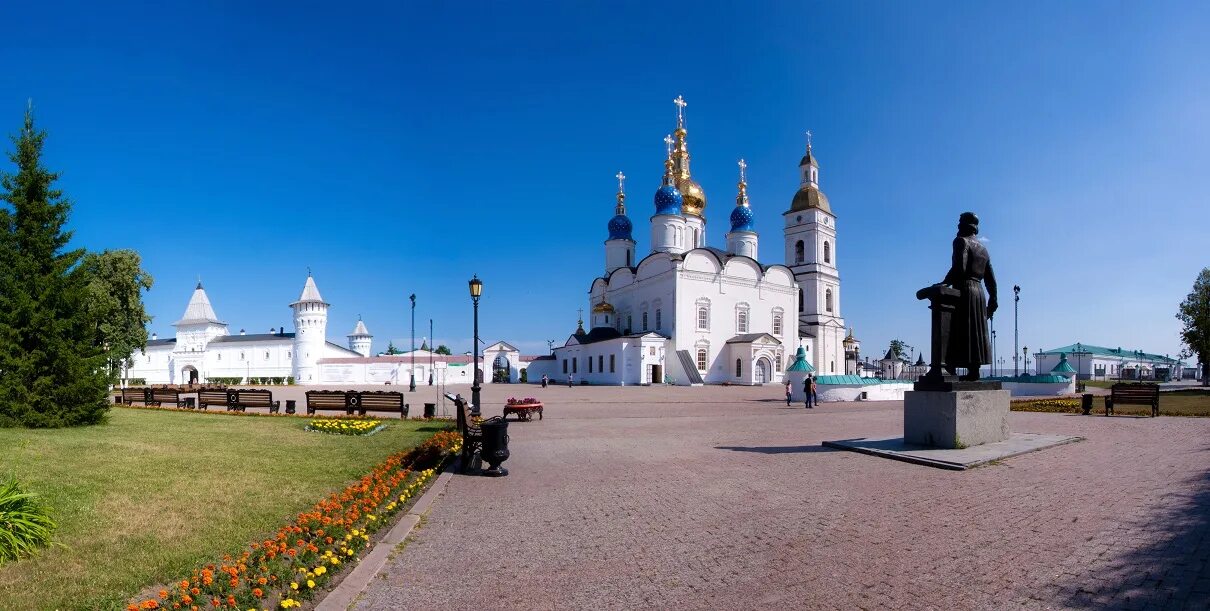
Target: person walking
(545,380)
(814,394)
(806,391)
(788,389)
(569,380)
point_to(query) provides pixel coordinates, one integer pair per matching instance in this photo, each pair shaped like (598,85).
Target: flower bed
(1056,406)
(525,401)
(284,570)
(336,426)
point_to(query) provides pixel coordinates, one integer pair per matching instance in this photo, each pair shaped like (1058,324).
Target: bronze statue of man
(969,344)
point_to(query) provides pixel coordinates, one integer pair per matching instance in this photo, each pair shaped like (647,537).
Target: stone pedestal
(955,419)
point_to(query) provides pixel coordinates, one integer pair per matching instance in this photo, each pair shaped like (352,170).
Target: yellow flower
(293,585)
(310,584)
(321,569)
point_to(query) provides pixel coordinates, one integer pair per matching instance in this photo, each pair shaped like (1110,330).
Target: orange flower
(163,593)
(257,592)
(234,581)
(187,599)
(262,581)
(231,600)
(150,604)
(194,591)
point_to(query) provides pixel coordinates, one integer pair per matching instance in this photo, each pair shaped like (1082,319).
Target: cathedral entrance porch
(763,371)
(655,374)
(189,375)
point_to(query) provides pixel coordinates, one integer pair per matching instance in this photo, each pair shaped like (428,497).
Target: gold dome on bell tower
(691,191)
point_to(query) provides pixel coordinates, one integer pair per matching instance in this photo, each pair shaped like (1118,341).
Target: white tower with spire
(810,230)
(742,239)
(619,248)
(360,339)
(310,332)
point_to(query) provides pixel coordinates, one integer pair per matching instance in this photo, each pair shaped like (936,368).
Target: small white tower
(668,232)
(360,339)
(619,248)
(310,333)
(741,240)
(810,232)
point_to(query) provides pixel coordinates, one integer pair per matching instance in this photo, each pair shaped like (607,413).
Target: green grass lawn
(149,495)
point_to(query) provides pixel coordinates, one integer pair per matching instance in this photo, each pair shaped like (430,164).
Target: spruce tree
(51,370)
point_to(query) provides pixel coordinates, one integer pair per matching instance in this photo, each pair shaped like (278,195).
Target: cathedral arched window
(799,252)
(701,359)
(266,355)
(777,324)
(628,254)
(220,356)
(739,367)
(741,319)
(827,252)
(644,321)
(800,300)
(241,355)
(658,322)
(703,316)
(828,300)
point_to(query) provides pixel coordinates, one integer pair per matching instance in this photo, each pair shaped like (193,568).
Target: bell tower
(810,232)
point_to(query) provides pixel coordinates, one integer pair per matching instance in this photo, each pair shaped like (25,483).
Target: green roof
(800,362)
(855,380)
(1063,366)
(1123,353)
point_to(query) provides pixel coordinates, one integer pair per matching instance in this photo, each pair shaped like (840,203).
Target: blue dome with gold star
(742,219)
(620,228)
(668,200)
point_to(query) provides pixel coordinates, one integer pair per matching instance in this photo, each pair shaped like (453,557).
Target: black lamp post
(1016,298)
(993,348)
(476,287)
(412,375)
(430,353)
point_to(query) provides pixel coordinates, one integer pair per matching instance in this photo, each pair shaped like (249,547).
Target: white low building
(1101,363)
(203,349)
(688,313)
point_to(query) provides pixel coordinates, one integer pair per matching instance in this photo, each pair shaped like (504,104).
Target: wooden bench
(253,397)
(211,396)
(1134,394)
(130,396)
(472,435)
(170,396)
(333,400)
(380,401)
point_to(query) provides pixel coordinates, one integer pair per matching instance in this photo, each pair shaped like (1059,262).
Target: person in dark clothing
(968,344)
(788,389)
(806,390)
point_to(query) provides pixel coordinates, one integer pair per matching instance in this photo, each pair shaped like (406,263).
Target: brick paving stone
(722,497)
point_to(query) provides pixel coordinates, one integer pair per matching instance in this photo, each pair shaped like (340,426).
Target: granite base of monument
(955,419)
(894,448)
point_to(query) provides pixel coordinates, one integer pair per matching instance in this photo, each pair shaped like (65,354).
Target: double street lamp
(1016,299)
(412,373)
(476,287)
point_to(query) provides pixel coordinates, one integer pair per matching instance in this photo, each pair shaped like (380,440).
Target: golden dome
(810,197)
(694,197)
(602,307)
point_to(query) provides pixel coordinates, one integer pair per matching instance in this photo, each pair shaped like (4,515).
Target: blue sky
(400,148)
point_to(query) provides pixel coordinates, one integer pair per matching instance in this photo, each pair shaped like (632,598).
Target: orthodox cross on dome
(808,140)
(680,110)
(621,182)
(743,171)
(668,143)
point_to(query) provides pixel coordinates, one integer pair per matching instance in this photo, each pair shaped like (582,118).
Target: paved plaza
(722,497)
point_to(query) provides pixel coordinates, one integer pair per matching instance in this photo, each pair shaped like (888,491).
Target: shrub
(290,380)
(136,381)
(25,523)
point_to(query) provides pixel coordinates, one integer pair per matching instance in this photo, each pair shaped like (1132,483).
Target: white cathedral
(204,349)
(688,313)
